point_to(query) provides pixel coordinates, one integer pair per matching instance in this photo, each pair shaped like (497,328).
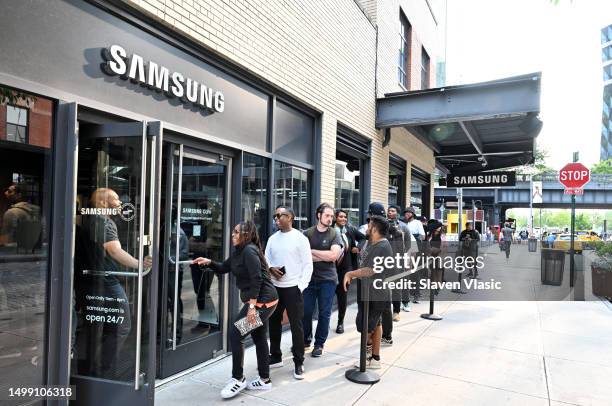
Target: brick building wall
(321,52)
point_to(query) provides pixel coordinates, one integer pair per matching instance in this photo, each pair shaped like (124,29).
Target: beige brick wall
(321,52)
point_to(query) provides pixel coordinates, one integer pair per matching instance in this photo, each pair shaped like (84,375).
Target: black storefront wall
(59,48)
(60,44)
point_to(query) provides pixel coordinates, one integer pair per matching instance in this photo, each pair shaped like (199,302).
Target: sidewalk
(481,353)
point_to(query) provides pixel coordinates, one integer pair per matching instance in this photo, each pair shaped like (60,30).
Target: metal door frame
(142,391)
(185,149)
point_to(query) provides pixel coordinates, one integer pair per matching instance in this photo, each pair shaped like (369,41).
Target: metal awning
(471,128)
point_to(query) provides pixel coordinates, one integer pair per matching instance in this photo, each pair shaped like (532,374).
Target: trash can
(532,245)
(552,263)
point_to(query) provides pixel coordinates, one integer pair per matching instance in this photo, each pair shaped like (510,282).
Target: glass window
(403,69)
(16,124)
(425,62)
(416,194)
(292,188)
(348,186)
(396,186)
(254,205)
(25,201)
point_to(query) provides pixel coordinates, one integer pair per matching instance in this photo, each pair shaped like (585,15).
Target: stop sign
(574,175)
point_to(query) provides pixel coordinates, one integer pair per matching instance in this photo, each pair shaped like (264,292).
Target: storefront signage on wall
(483,179)
(154,76)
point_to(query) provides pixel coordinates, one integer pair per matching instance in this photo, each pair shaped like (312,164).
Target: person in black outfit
(248,265)
(351,238)
(434,248)
(470,239)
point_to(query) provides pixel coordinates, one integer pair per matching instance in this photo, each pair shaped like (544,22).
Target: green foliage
(10,96)
(603,250)
(602,167)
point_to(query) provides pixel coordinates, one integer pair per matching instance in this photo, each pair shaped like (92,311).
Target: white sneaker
(277,364)
(259,384)
(233,388)
(373,364)
(406,307)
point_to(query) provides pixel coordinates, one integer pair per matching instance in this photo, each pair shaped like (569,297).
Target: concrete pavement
(481,353)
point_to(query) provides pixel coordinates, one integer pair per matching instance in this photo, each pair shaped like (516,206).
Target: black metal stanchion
(361,375)
(459,277)
(431,315)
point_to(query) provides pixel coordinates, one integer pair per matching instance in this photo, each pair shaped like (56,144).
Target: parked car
(562,242)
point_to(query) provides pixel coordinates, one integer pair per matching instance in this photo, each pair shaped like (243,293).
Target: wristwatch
(251,306)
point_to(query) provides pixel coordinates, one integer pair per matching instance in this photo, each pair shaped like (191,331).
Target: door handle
(178,245)
(94,272)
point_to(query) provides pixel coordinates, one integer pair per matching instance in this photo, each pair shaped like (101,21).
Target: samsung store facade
(114,130)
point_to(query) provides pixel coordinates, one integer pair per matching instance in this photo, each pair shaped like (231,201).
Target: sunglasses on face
(277,215)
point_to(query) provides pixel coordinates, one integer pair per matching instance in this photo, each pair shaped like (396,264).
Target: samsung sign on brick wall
(160,78)
(486,179)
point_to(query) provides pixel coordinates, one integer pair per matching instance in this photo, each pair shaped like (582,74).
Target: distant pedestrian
(507,234)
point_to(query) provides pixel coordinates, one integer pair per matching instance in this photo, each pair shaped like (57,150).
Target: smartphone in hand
(282,270)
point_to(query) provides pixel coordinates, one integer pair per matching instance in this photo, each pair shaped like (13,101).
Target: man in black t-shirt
(326,247)
(379,296)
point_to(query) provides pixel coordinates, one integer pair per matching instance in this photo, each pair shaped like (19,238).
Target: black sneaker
(317,352)
(386,341)
(340,328)
(298,372)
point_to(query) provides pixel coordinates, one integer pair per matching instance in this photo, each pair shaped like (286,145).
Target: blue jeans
(323,292)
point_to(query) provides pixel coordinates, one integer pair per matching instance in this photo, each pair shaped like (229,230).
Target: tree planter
(601,280)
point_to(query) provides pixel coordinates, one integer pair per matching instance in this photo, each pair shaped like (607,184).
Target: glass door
(114,268)
(194,224)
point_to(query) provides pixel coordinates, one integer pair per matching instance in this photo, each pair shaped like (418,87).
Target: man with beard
(325,248)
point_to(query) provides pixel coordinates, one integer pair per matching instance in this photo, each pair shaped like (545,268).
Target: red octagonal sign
(574,175)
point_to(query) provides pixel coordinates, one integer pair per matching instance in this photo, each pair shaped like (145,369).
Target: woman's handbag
(245,327)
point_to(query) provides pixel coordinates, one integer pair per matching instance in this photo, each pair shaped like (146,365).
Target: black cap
(377,209)
(423,218)
(433,225)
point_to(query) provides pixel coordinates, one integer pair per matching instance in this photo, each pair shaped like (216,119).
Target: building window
(292,188)
(425,62)
(403,69)
(254,205)
(348,186)
(397,180)
(16,124)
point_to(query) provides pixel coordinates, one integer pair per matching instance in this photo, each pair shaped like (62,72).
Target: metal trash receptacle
(552,263)
(532,245)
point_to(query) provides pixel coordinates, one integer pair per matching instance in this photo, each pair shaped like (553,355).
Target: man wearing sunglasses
(288,254)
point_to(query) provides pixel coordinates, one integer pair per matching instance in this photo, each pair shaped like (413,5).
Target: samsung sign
(486,179)
(160,78)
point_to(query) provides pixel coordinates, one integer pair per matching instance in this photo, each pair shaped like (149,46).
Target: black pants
(260,339)
(341,297)
(289,299)
(387,321)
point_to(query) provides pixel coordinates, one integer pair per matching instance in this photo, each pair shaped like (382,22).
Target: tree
(602,167)
(538,166)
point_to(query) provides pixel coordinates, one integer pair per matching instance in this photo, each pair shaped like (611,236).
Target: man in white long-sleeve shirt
(290,260)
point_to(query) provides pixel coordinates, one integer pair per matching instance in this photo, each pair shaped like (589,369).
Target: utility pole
(572,230)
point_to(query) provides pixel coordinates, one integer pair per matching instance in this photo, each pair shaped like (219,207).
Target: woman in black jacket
(248,265)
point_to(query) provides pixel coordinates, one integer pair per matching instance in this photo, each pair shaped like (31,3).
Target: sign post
(574,176)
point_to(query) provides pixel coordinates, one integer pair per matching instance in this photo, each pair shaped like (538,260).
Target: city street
(481,353)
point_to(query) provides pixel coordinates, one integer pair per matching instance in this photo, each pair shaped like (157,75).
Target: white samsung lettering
(137,67)
(177,87)
(117,65)
(160,78)
(504,178)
